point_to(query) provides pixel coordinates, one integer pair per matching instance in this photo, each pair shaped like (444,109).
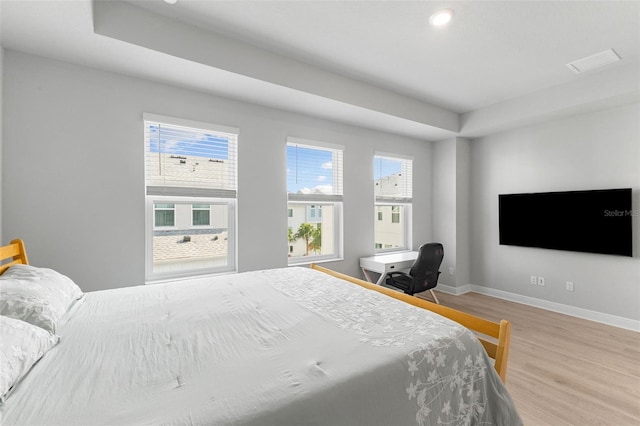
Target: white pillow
(39,296)
(21,346)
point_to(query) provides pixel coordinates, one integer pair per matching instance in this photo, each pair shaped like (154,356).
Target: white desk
(385,263)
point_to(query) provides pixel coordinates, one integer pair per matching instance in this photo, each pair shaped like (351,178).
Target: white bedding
(277,347)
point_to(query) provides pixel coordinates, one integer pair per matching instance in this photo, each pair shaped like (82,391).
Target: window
(201,214)
(393,188)
(164,215)
(190,171)
(314,189)
(314,214)
(395,214)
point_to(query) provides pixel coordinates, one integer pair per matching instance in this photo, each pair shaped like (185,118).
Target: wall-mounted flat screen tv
(597,221)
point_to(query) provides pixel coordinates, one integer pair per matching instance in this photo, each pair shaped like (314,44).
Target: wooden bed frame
(501,332)
(15,253)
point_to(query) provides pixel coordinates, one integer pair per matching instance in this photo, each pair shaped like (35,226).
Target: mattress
(287,346)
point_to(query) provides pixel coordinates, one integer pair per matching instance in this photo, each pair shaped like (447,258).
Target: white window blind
(314,171)
(185,158)
(393,179)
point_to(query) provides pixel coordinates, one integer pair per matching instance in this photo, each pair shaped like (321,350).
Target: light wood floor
(564,370)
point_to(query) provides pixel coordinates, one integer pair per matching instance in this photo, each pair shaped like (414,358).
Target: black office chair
(423,274)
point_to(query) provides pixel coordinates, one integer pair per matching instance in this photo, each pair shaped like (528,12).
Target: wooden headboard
(501,332)
(14,253)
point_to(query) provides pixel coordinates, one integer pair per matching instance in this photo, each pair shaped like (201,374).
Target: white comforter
(277,347)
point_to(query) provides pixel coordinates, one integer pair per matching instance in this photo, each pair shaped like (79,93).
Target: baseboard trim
(587,314)
(456,291)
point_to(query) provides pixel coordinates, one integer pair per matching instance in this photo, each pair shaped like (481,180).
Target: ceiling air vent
(594,61)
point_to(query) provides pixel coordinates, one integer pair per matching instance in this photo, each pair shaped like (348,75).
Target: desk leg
(366,275)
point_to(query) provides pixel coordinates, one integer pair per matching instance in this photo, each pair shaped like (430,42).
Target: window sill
(165,280)
(309,261)
(394,250)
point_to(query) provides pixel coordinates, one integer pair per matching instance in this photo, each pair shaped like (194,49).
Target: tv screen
(597,221)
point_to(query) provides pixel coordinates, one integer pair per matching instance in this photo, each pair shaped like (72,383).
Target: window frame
(405,220)
(334,200)
(403,201)
(337,235)
(226,196)
(154,277)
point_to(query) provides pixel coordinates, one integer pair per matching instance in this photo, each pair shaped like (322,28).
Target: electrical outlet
(451,270)
(569,285)
(540,280)
(533,279)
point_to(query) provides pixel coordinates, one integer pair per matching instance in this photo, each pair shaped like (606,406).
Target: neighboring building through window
(393,188)
(314,211)
(190,170)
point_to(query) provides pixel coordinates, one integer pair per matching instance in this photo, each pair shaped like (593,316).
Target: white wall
(443,219)
(1,133)
(450,219)
(1,102)
(74,170)
(590,151)
(463,212)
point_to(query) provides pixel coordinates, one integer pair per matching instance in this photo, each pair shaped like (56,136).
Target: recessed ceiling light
(441,17)
(170,1)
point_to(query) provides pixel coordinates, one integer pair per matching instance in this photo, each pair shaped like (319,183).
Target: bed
(290,346)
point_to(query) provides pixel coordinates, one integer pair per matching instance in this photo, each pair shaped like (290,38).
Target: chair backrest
(425,268)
